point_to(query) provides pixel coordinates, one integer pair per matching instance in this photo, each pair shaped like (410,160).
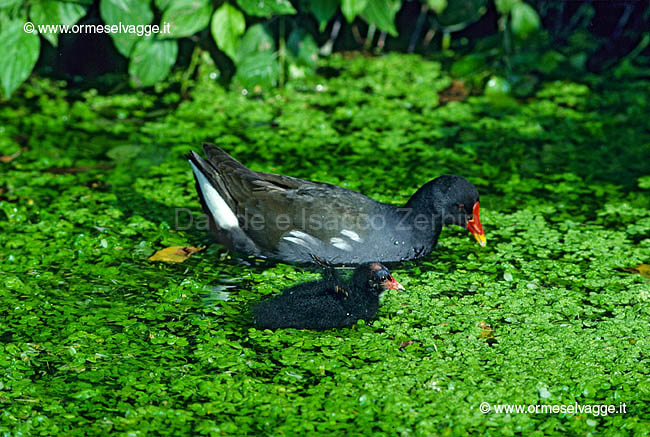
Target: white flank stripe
(340,243)
(305,236)
(221,213)
(298,241)
(351,235)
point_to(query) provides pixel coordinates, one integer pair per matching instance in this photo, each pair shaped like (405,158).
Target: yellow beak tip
(480,239)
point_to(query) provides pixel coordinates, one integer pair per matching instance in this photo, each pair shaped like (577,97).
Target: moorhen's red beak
(392,284)
(474,226)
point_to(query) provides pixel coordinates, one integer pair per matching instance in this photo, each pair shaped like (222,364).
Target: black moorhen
(328,303)
(288,219)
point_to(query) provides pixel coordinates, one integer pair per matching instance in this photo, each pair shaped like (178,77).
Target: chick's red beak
(392,284)
(474,226)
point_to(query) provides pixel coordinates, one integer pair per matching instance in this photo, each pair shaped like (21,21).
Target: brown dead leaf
(455,91)
(406,343)
(642,269)
(9,158)
(487,332)
(175,254)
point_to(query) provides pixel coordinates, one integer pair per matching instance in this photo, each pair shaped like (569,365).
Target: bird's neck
(419,216)
(424,200)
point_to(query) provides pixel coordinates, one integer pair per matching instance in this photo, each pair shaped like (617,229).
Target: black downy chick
(328,303)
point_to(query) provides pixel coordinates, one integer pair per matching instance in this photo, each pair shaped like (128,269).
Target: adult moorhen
(328,303)
(288,219)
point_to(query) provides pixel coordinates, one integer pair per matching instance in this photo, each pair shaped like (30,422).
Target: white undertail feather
(221,213)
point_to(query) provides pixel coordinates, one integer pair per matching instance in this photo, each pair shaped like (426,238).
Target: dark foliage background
(265,43)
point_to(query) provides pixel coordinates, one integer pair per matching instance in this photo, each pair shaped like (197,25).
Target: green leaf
(55,12)
(323,11)
(505,6)
(163,5)
(524,19)
(579,61)
(124,152)
(8,3)
(437,5)
(497,86)
(228,24)
(19,55)
(186,17)
(259,69)
(644,182)
(550,61)
(381,13)
(352,8)
(126,12)
(303,50)
(468,65)
(462,12)
(256,39)
(266,8)
(152,60)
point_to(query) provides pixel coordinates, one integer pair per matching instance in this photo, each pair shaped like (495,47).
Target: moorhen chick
(288,219)
(328,303)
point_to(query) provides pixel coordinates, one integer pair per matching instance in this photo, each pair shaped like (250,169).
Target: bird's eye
(383,275)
